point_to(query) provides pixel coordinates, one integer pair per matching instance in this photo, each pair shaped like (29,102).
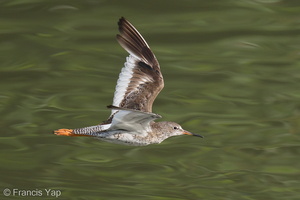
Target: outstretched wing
(140,80)
(132,120)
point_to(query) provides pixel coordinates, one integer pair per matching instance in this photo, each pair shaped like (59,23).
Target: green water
(231,72)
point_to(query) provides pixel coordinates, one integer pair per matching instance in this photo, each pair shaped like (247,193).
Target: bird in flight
(131,121)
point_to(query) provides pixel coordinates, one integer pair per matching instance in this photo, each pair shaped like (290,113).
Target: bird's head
(174,129)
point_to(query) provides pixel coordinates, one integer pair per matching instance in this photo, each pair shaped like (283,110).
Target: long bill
(193,134)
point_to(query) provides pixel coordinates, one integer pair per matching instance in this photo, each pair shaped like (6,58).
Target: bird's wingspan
(140,80)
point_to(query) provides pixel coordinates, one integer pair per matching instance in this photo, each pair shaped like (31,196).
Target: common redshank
(131,121)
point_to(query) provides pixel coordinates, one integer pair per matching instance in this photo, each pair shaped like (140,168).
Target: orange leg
(68,132)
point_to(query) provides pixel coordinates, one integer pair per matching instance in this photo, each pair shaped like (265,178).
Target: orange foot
(65,132)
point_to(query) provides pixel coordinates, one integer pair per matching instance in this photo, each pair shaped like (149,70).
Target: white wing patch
(124,80)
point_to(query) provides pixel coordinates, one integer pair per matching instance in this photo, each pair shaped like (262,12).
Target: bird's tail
(86,131)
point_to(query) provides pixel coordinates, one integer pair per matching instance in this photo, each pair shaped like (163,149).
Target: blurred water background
(231,72)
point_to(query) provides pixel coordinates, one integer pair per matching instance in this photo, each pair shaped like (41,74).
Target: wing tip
(134,43)
(122,20)
(111,107)
(123,24)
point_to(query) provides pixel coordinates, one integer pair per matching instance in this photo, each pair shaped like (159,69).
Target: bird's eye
(175,127)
